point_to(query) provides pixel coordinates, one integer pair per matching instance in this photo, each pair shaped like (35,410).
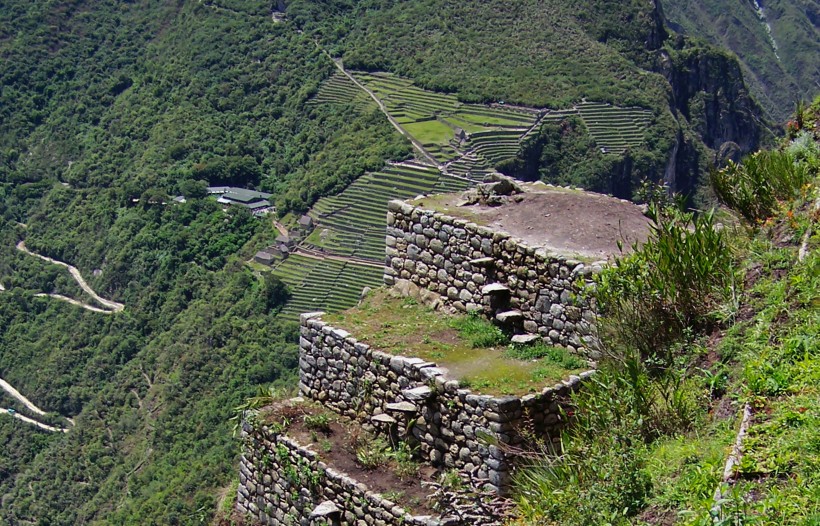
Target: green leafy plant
(478,331)
(754,187)
(317,422)
(671,284)
(373,454)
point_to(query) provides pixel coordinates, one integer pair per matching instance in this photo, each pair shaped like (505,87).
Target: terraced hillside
(339,89)
(449,129)
(468,139)
(614,129)
(345,251)
(352,222)
(324,283)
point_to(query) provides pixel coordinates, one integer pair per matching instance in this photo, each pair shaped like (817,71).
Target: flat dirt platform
(572,222)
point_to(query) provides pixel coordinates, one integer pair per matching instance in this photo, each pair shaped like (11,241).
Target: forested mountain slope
(109,109)
(777,42)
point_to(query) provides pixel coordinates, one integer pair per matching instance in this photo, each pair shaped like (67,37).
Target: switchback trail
(7,387)
(113,305)
(36,423)
(78,303)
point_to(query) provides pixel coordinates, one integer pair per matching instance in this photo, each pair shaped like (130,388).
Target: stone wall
(473,268)
(281,482)
(414,400)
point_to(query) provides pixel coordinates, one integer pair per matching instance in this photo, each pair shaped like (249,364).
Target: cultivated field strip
(613,128)
(352,223)
(449,129)
(339,89)
(324,284)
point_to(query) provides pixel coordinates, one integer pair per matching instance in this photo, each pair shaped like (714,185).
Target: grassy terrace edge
(475,352)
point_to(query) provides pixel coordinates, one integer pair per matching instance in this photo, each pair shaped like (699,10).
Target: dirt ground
(336,446)
(570,222)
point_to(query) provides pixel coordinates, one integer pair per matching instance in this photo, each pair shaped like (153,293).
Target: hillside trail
(14,393)
(36,423)
(113,305)
(416,144)
(78,303)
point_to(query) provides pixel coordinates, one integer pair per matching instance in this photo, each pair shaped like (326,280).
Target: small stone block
(383,419)
(525,339)
(494,288)
(509,316)
(401,407)
(417,393)
(325,510)
(482,262)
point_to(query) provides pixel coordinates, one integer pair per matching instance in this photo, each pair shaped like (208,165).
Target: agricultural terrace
(339,89)
(614,129)
(352,223)
(436,120)
(324,284)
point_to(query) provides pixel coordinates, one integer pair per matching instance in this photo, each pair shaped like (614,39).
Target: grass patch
(430,132)
(474,351)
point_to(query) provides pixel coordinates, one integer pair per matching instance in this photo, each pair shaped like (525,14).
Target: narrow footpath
(113,305)
(416,144)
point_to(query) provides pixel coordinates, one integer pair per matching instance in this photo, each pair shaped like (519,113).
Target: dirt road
(113,305)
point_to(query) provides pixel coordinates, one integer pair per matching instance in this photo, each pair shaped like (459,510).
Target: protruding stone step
(495,288)
(383,419)
(325,510)
(525,339)
(417,394)
(401,407)
(482,262)
(510,316)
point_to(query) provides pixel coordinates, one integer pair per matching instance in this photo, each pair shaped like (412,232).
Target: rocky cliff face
(708,90)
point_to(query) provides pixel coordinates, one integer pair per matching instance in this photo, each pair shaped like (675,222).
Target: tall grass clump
(478,331)
(754,187)
(673,283)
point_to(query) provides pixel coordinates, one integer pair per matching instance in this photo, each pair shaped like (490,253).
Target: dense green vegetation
(778,77)
(698,323)
(129,104)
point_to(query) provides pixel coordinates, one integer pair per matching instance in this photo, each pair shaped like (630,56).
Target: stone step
(325,510)
(401,407)
(495,288)
(482,262)
(383,419)
(510,316)
(525,339)
(417,394)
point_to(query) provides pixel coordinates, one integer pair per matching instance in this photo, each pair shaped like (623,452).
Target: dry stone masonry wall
(284,483)
(473,268)
(414,400)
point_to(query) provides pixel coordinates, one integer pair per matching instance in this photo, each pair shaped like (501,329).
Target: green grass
(433,132)
(473,350)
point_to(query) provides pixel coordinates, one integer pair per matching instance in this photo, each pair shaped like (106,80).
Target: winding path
(416,144)
(7,387)
(113,305)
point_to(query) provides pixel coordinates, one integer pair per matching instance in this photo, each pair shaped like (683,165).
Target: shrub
(373,454)
(754,187)
(668,286)
(478,331)
(317,422)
